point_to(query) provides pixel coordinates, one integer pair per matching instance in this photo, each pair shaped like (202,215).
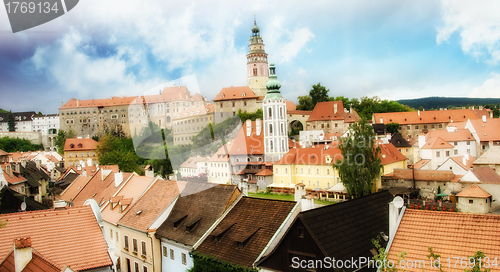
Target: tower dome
(273,85)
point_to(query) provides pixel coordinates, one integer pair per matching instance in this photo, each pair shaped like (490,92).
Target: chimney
(307,202)
(78,168)
(258,127)
(22,253)
(394,207)
(149,171)
(17,166)
(350,108)
(249,127)
(381,120)
(77,103)
(300,191)
(484,118)
(118,178)
(418,112)
(84,172)
(334,107)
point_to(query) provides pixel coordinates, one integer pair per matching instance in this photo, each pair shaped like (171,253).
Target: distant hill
(429,103)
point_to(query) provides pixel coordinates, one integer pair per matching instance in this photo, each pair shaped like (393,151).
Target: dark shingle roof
(252,222)
(206,206)
(398,141)
(346,229)
(11,202)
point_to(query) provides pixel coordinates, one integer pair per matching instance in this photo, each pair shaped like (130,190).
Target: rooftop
(425,117)
(491,156)
(437,143)
(53,234)
(76,144)
(332,110)
(232,93)
(474,191)
(449,234)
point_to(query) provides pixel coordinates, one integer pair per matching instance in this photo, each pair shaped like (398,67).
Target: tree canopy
(317,94)
(18,145)
(361,163)
(11,122)
(61,139)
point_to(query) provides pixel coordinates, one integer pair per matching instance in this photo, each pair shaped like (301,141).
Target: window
(438,154)
(145,269)
(468,151)
(172,254)
(134,245)
(116,236)
(447,153)
(416,127)
(143,248)
(125,240)
(111,233)
(471,201)
(455,143)
(136,266)
(165,252)
(468,142)
(328,172)
(440,126)
(455,152)
(300,232)
(183,258)
(408,127)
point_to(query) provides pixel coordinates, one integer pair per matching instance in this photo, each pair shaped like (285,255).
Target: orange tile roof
(421,163)
(474,191)
(130,189)
(222,155)
(243,144)
(90,103)
(424,175)
(324,111)
(487,131)
(437,143)
(390,154)
(69,237)
(14,178)
(152,204)
(455,136)
(265,172)
(230,93)
(74,188)
(459,160)
(310,156)
(426,117)
(3,153)
(76,144)
(37,263)
(449,234)
(290,106)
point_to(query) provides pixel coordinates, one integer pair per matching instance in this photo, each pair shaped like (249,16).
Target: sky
(387,48)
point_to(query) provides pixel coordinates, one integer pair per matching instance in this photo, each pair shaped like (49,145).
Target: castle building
(275,123)
(257,67)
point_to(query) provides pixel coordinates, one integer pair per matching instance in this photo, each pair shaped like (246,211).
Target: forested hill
(429,103)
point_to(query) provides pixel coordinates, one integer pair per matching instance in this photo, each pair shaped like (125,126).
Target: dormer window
(179,221)
(222,95)
(72,146)
(190,227)
(80,145)
(243,94)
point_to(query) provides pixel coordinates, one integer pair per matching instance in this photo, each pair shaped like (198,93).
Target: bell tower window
(254,71)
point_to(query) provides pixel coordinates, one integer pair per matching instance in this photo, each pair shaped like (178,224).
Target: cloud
(478,24)
(489,88)
(69,63)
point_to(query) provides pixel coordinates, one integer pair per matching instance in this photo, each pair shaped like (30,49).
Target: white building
(23,121)
(194,167)
(275,124)
(218,166)
(48,126)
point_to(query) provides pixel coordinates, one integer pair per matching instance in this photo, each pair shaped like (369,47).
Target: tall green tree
(361,163)
(393,128)
(317,94)
(61,139)
(11,122)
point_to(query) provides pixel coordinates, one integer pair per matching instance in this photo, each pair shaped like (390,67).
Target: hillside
(429,103)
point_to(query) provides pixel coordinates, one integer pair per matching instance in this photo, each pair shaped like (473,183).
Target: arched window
(270,129)
(282,129)
(281,112)
(271,144)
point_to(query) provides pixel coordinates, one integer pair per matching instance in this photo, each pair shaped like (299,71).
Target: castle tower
(275,123)
(257,67)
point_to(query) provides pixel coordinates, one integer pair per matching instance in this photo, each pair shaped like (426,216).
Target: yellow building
(312,167)
(391,159)
(79,151)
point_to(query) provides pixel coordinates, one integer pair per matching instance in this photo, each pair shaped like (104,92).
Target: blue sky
(391,49)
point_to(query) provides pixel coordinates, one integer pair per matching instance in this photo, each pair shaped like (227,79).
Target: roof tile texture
(260,217)
(54,235)
(426,117)
(474,191)
(449,234)
(230,93)
(206,203)
(325,111)
(76,144)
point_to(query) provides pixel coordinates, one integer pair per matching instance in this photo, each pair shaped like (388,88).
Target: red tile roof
(325,111)
(69,237)
(74,188)
(390,154)
(151,205)
(15,178)
(455,136)
(487,131)
(265,172)
(425,117)
(222,155)
(36,264)
(252,222)
(290,106)
(437,143)
(474,191)
(76,144)
(113,101)
(486,175)
(310,156)
(468,163)
(449,234)
(424,175)
(243,144)
(231,93)
(421,163)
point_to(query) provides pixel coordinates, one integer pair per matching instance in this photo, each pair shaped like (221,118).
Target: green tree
(478,263)
(252,116)
(61,139)
(305,103)
(344,100)
(393,128)
(318,94)
(11,122)
(3,111)
(361,163)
